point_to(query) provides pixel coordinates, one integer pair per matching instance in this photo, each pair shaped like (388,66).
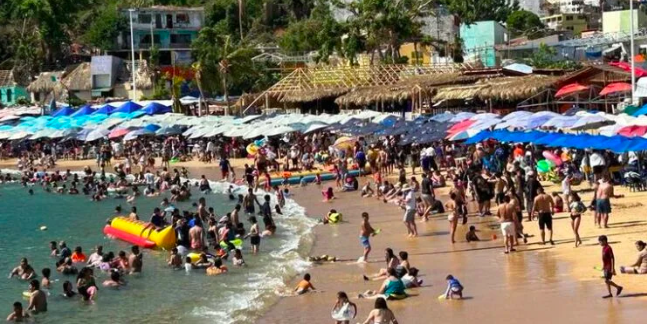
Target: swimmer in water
(114,281)
(30,192)
(23,271)
(175,260)
(45,282)
(68,291)
(18,315)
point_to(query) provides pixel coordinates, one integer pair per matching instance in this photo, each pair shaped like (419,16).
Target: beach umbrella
(279,131)
(63,133)
(156,108)
(592,121)
(84,110)
(128,107)
(152,127)
(136,133)
(10,117)
(314,127)
(631,109)
(344,140)
(105,109)
(615,88)
(98,133)
(169,130)
(484,116)
(63,112)
(462,116)
(463,125)
(517,115)
(561,122)
(633,131)
(19,135)
(118,132)
(464,134)
(571,89)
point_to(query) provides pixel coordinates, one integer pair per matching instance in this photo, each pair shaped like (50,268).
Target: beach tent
(156,108)
(84,110)
(63,112)
(128,107)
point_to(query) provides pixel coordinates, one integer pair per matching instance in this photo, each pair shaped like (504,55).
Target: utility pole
(132,53)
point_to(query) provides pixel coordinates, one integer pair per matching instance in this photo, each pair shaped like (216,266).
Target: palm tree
(197,71)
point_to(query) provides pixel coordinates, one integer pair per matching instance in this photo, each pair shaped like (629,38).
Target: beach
(537,284)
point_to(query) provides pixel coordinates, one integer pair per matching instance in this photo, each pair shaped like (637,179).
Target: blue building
(11,89)
(480,39)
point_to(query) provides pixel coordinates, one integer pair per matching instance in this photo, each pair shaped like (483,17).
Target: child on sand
(304,285)
(471,234)
(317,179)
(343,310)
(367,191)
(454,287)
(410,279)
(608,266)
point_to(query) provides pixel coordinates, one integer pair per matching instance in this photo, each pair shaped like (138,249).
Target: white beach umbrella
(19,135)
(97,134)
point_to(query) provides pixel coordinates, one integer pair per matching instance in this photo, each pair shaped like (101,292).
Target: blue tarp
(85,110)
(156,108)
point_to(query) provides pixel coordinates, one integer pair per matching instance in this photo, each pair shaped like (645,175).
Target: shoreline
(545,284)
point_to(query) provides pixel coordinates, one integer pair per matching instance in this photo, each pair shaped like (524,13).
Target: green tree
(471,11)
(522,22)
(106,28)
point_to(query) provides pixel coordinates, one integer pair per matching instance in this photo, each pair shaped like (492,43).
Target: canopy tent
(571,89)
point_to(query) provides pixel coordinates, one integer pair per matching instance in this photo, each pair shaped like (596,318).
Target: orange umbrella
(615,88)
(570,89)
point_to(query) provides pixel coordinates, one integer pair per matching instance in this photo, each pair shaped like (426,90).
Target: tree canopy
(523,22)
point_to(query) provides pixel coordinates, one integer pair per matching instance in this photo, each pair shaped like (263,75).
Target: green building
(11,89)
(479,40)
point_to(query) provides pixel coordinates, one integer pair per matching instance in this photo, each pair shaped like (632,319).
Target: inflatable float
(129,230)
(294,178)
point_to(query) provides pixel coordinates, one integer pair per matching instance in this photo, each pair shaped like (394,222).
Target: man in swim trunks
(427,195)
(37,298)
(249,201)
(543,206)
(365,232)
(135,260)
(409,218)
(602,202)
(506,216)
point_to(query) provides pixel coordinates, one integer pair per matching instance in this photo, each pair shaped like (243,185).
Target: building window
(145,18)
(180,38)
(569,17)
(37,97)
(182,19)
(146,39)
(9,99)
(570,28)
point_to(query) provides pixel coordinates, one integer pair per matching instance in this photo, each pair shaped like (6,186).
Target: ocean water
(159,294)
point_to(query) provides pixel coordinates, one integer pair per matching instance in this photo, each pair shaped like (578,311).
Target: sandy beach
(537,284)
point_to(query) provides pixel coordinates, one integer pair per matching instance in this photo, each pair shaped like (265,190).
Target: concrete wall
(620,21)
(479,40)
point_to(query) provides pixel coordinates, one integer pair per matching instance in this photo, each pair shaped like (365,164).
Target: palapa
(502,89)
(46,82)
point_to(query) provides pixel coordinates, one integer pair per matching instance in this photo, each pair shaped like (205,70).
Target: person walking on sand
(410,211)
(603,202)
(344,310)
(506,216)
(365,232)
(543,206)
(576,209)
(453,208)
(608,266)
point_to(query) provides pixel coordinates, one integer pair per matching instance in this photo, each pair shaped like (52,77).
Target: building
(45,87)
(577,23)
(171,29)
(534,6)
(480,39)
(569,6)
(620,21)
(442,25)
(11,89)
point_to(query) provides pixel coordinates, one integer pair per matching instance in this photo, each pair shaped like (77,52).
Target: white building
(534,6)
(569,6)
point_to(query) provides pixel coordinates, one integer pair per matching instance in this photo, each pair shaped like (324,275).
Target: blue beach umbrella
(128,107)
(136,114)
(63,112)
(104,109)
(152,127)
(156,108)
(84,110)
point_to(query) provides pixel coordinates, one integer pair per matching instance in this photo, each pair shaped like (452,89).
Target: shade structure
(517,115)
(571,89)
(561,122)
(9,118)
(633,131)
(464,134)
(127,107)
(462,116)
(615,88)
(591,121)
(640,72)
(463,125)
(156,108)
(170,130)
(96,134)
(519,67)
(152,127)
(443,117)
(104,109)
(63,112)
(136,133)
(84,110)
(344,140)
(118,132)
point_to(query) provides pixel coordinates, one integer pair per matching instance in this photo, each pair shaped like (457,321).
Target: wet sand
(537,284)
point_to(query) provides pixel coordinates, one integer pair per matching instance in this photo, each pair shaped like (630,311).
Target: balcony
(180,45)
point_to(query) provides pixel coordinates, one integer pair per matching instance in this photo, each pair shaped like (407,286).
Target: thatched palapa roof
(79,79)
(46,82)
(501,89)
(144,74)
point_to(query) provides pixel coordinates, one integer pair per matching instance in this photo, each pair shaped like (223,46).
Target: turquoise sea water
(159,295)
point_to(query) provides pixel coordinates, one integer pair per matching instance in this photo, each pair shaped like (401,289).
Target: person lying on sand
(304,285)
(640,266)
